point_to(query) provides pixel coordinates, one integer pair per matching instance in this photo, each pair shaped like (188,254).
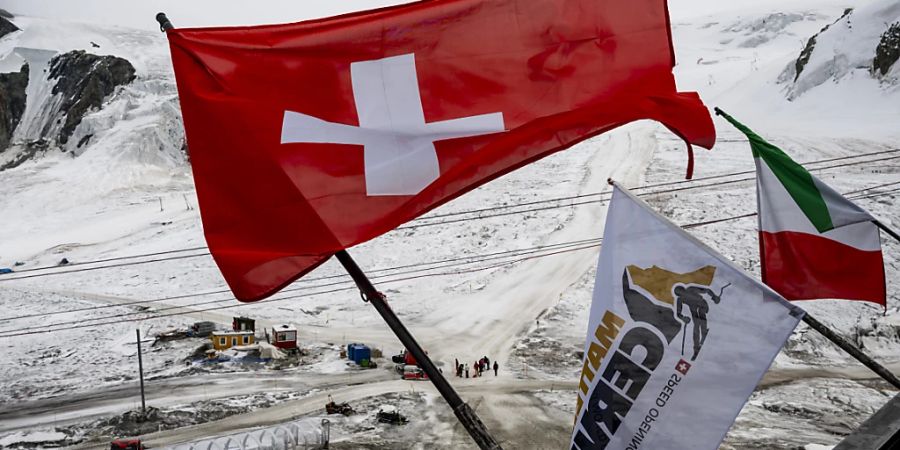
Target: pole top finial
(164,23)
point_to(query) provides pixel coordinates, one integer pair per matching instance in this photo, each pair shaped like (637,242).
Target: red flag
(312,137)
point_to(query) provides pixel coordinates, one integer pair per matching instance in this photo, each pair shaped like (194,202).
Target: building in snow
(243,324)
(284,337)
(223,340)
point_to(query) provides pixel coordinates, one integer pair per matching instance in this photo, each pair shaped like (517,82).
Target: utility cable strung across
(429,221)
(420,266)
(349,287)
(458,263)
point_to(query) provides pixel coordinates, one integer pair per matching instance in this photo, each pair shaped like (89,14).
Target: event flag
(814,243)
(678,338)
(309,138)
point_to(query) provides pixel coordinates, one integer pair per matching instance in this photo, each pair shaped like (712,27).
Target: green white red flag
(814,242)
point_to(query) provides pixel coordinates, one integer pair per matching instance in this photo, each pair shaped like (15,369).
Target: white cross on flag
(400,158)
(309,138)
(678,338)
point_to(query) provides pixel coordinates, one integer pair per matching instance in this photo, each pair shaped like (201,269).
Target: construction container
(362,353)
(351,350)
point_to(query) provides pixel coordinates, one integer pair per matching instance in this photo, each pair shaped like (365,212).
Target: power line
(420,267)
(650,186)
(109,266)
(47,329)
(61,269)
(602,200)
(584,246)
(117,258)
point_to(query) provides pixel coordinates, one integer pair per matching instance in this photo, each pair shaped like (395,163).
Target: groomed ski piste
(510,282)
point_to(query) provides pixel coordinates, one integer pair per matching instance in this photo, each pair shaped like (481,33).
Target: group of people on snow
(478,368)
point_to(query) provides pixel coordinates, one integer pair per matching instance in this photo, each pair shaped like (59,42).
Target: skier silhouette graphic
(694,298)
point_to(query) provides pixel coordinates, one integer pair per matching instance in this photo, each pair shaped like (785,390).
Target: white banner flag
(678,338)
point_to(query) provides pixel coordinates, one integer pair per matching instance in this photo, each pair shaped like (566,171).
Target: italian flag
(814,243)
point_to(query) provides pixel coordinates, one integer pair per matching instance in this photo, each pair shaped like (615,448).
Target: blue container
(351,351)
(362,352)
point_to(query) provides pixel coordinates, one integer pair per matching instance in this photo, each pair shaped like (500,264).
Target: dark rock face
(12,103)
(807,51)
(84,80)
(6,26)
(6,14)
(888,51)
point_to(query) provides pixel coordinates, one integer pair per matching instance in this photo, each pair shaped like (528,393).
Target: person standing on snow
(467,371)
(496,367)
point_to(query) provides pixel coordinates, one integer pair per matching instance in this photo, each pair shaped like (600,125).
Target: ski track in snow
(130,193)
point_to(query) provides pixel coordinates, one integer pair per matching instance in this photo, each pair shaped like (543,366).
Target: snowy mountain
(863,42)
(95,168)
(82,91)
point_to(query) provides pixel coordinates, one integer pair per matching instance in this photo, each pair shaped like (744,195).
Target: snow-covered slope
(132,142)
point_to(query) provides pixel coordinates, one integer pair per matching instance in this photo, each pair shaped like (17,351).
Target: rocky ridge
(12,103)
(81,82)
(6,26)
(865,39)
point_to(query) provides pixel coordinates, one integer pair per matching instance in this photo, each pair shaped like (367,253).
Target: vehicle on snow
(389,414)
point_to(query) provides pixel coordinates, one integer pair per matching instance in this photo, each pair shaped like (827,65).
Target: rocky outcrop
(864,41)
(84,80)
(12,103)
(888,51)
(6,26)
(807,51)
(6,14)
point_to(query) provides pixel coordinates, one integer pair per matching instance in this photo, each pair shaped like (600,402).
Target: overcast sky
(196,13)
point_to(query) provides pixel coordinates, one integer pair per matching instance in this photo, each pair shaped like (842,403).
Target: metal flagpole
(853,350)
(463,411)
(887,230)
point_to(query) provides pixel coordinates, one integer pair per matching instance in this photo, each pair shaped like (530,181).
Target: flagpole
(463,411)
(853,350)
(887,230)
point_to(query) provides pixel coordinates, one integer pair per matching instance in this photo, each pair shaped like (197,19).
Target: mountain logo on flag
(667,295)
(662,304)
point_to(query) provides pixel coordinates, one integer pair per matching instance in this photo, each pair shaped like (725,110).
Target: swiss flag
(312,137)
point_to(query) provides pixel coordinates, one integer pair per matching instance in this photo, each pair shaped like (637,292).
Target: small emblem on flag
(683,367)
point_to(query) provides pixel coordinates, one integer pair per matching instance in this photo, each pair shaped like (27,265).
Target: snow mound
(845,49)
